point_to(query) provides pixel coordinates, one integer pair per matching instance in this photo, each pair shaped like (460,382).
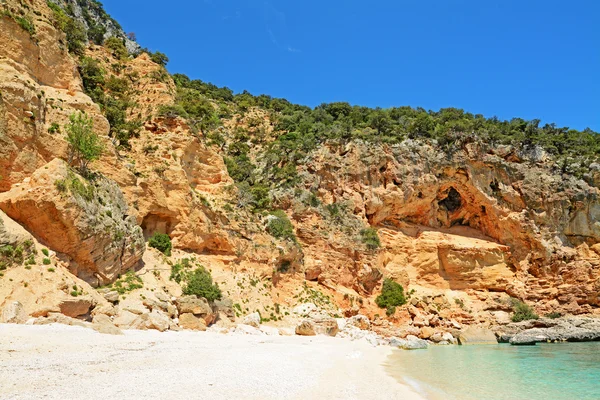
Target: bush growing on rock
(117,46)
(84,144)
(523,312)
(161,242)
(159,58)
(370,238)
(72,28)
(392,295)
(280,226)
(199,282)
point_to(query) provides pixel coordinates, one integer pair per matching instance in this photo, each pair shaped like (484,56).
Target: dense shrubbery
(113,96)
(161,242)
(301,128)
(199,282)
(522,311)
(117,46)
(392,295)
(196,282)
(279,226)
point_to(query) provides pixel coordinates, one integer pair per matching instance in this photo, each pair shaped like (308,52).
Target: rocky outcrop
(410,343)
(325,326)
(92,16)
(568,329)
(88,221)
(477,335)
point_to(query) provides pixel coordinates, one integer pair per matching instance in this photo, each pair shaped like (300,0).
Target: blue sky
(509,58)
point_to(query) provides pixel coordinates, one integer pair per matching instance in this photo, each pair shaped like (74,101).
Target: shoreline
(66,362)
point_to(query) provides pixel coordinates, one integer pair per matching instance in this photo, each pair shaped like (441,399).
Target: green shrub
(73,29)
(392,295)
(522,311)
(553,315)
(279,226)
(117,46)
(159,58)
(84,144)
(199,282)
(370,238)
(47,261)
(179,270)
(128,283)
(26,24)
(45,252)
(51,269)
(161,242)
(54,128)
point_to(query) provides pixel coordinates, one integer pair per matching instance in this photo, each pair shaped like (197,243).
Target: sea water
(549,371)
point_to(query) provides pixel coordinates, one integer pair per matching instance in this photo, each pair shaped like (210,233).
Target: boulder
(156,320)
(225,307)
(135,307)
(243,329)
(410,343)
(76,307)
(313,273)
(427,332)
(192,322)
(58,318)
(306,328)
(102,323)
(252,320)
(126,320)
(193,305)
(13,313)
(44,311)
(112,296)
(198,306)
(477,335)
(359,321)
(324,326)
(527,339)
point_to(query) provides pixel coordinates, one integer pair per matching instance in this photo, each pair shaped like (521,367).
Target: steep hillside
(293,211)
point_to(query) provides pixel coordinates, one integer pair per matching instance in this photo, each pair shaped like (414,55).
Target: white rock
(269,330)
(252,320)
(243,329)
(13,313)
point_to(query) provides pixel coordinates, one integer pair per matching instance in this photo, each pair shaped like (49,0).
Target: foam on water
(565,371)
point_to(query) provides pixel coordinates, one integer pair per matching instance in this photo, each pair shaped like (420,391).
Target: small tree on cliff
(84,144)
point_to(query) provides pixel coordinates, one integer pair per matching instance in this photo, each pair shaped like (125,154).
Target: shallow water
(560,371)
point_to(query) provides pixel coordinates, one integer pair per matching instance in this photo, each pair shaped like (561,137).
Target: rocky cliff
(464,225)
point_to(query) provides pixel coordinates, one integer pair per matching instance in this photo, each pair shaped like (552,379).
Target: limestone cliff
(463,227)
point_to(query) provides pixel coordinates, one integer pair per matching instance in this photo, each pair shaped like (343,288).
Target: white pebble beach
(66,362)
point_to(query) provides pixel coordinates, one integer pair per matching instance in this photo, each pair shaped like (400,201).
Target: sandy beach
(65,362)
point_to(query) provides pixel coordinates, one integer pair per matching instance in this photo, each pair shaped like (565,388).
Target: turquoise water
(565,371)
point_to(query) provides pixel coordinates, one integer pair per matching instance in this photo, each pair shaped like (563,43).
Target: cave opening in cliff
(452,202)
(156,223)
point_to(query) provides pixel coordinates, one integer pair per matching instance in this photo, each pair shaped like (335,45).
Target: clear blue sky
(509,58)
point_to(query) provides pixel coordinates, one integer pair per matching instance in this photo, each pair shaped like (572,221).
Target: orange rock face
(91,226)
(464,228)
